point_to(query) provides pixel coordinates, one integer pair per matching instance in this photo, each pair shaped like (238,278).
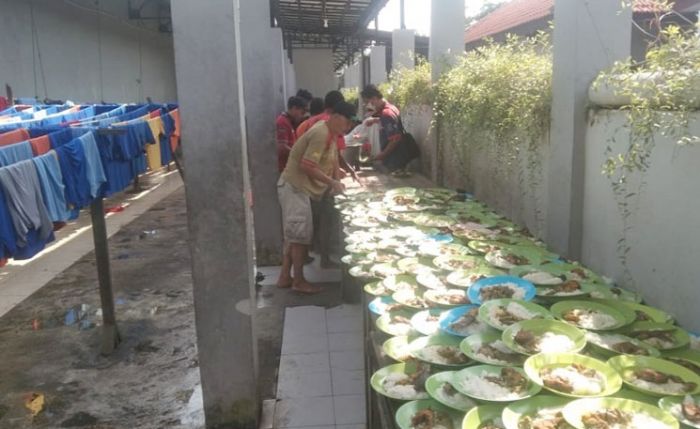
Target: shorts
(297,218)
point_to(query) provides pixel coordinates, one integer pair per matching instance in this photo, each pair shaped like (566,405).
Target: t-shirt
(309,123)
(392,131)
(285,136)
(315,148)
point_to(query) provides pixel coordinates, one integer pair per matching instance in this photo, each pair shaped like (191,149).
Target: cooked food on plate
(571,287)
(407,386)
(657,381)
(614,418)
(442,355)
(543,278)
(431,419)
(499,291)
(510,384)
(545,418)
(618,343)
(574,379)
(589,318)
(493,424)
(507,315)
(497,351)
(449,297)
(691,409)
(448,394)
(505,259)
(547,342)
(468,324)
(400,324)
(659,338)
(684,363)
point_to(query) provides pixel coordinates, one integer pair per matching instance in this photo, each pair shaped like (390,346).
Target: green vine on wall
(408,87)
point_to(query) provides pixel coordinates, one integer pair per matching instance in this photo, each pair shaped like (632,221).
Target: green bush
(352,95)
(410,86)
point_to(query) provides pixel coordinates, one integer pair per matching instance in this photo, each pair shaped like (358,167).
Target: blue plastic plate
(452,315)
(475,289)
(377,305)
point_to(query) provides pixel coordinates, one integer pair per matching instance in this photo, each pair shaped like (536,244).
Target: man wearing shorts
(312,170)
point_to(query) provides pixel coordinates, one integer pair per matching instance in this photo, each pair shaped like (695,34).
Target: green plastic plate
(421,324)
(458,401)
(464,279)
(673,404)
(397,348)
(471,344)
(681,337)
(477,417)
(651,314)
(577,409)
(384,323)
(597,340)
(377,381)
(462,384)
(417,349)
(405,413)
(540,327)
(535,364)
(688,358)
(486,309)
(515,412)
(626,365)
(458,263)
(562,307)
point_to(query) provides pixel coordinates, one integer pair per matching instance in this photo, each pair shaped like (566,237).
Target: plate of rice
(688,358)
(432,281)
(397,348)
(501,313)
(488,348)
(464,279)
(685,409)
(501,287)
(537,276)
(617,413)
(376,289)
(463,321)
(458,262)
(589,315)
(447,297)
(415,266)
(662,336)
(401,381)
(495,383)
(541,411)
(427,414)
(435,249)
(654,376)
(440,349)
(544,336)
(396,323)
(601,291)
(484,417)
(573,375)
(644,313)
(411,299)
(427,322)
(610,344)
(383,304)
(441,388)
(566,290)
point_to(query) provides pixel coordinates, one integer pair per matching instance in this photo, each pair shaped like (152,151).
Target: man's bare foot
(302,286)
(284,282)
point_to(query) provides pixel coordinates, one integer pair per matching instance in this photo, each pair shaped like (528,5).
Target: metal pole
(403,15)
(110,331)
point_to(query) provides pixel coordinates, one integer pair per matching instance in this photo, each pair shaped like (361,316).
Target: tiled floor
(321,374)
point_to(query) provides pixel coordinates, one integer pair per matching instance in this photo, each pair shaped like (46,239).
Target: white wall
(664,235)
(136,62)
(377,63)
(314,70)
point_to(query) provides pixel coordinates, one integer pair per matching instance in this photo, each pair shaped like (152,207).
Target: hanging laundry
(14,153)
(8,241)
(40,145)
(153,148)
(71,158)
(24,200)
(14,136)
(52,187)
(94,170)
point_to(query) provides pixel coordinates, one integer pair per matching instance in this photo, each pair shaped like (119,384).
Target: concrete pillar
(447,25)
(403,48)
(210,93)
(291,77)
(262,84)
(352,76)
(588,37)
(378,64)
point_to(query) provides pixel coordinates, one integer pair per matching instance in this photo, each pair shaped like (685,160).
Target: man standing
(396,150)
(309,174)
(285,129)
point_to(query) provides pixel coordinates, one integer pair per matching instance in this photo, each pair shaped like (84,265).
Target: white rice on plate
(456,400)
(498,345)
(550,342)
(591,319)
(639,420)
(479,386)
(544,279)
(392,387)
(432,354)
(517,292)
(513,308)
(582,384)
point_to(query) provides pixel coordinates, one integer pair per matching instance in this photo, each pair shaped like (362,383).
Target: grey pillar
(210,92)
(377,60)
(588,37)
(403,47)
(264,98)
(447,25)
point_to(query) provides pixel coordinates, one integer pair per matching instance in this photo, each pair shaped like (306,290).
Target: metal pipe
(403,15)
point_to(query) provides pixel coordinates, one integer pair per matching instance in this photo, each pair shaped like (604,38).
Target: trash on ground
(35,403)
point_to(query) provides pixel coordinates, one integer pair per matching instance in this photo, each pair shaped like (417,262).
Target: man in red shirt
(285,125)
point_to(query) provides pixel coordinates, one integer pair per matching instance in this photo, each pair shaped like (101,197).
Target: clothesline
(55,160)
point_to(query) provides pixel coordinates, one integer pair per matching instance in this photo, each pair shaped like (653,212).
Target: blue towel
(20,183)
(71,158)
(93,167)
(8,241)
(15,153)
(52,188)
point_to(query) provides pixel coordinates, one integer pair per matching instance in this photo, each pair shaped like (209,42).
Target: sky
(417,14)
